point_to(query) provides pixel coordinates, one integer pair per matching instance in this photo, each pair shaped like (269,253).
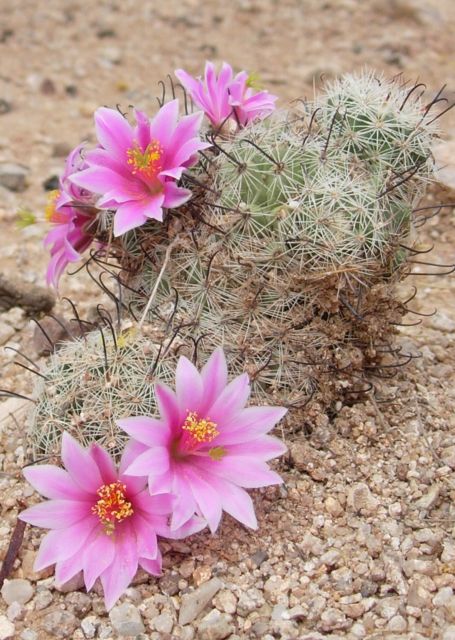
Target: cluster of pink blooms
(178,473)
(135,170)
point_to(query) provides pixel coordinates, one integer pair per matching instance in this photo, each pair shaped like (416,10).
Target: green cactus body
(294,244)
(92,382)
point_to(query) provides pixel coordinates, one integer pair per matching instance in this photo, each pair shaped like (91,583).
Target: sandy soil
(358,545)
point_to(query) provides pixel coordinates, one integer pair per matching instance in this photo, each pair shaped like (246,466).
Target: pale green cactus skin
(290,253)
(89,384)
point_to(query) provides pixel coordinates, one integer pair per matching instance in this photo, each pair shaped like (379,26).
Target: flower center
(201,430)
(146,163)
(50,212)
(112,507)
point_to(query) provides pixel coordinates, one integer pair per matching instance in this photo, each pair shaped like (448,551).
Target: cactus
(91,382)
(289,253)
(384,123)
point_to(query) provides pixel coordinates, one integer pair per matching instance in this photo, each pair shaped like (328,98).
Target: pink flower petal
(67,569)
(113,131)
(97,556)
(193,525)
(152,566)
(231,400)
(134,484)
(135,213)
(207,499)
(175,196)
(104,462)
(214,376)
(235,501)
(149,431)
(118,575)
(81,467)
(263,448)
(147,544)
(250,475)
(184,503)
(163,124)
(101,179)
(155,459)
(188,384)
(153,504)
(56,514)
(159,484)
(167,405)
(250,424)
(53,482)
(60,545)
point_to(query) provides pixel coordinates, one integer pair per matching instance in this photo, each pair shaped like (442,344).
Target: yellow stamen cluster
(254,81)
(50,213)
(145,162)
(112,507)
(201,429)
(217,453)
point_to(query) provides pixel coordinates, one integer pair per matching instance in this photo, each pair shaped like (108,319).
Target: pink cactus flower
(206,447)
(102,521)
(227,96)
(71,211)
(136,169)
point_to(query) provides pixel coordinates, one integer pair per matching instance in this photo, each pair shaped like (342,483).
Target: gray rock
(429,499)
(105,631)
(7,628)
(80,603)
(28,296)
(225,601)
(43,599)
(60,624)
(215,626)
(332,619)
(443,323)
(259,557)
(15,611)
(443,596)
(126,620)
(418,596)
(444,155)
(169,584)
(253,599)
(75,583)
(6,332)
(361,499)
(397,623)
(163,623)
(449,633)
(28,634)
(448,551)
(13,176)
(448,456)
(89,625)
(193,603)
(17,590)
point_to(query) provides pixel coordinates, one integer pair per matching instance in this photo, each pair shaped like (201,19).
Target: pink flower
(136,169)
(226,95)
(70,235)
(102,522)
(207,445)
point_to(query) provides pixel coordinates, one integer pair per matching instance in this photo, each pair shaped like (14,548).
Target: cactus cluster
(91,382)
(289,253)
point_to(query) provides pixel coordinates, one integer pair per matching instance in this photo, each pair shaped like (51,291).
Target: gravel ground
(359,542)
